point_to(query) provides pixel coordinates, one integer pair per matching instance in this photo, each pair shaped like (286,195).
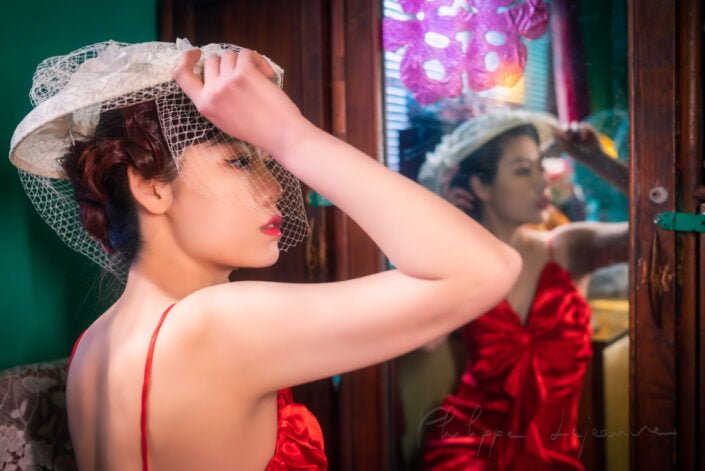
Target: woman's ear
(481,190)
(152,195)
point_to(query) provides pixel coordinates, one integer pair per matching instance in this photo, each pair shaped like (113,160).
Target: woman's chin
(541,216)
(263,262)
(267,259)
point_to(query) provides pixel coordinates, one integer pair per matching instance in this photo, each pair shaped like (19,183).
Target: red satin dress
(299,443)
(516,406)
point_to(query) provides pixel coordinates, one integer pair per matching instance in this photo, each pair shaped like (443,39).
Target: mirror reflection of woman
(516,404)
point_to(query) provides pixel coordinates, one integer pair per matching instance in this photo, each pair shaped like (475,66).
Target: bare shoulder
(221,326)
(557,245)
(535,245)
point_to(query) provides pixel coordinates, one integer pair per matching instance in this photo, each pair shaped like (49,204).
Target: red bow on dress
(299,438)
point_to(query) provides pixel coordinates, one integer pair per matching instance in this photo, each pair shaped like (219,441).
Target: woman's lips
(543,203)
(273,227)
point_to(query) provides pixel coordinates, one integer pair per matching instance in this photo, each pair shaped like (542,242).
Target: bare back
(193,422)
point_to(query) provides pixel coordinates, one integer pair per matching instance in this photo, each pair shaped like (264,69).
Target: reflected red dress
(517,403)
(299,443)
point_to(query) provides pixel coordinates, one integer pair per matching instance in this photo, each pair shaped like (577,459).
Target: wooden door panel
(329,52)
(667,302)
(294,35)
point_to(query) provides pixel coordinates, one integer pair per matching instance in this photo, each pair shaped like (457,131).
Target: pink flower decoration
(495,54)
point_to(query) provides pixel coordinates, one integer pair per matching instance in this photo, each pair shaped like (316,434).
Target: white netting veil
(72,93)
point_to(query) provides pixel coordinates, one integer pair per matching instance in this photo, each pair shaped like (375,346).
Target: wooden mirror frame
(343,93)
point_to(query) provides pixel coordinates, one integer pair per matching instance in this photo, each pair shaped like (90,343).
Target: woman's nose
(542,182)
(271,187)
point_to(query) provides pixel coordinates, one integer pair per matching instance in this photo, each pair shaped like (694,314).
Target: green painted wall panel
(48,293)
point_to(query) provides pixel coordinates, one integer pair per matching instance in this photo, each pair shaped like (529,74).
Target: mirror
(516,112)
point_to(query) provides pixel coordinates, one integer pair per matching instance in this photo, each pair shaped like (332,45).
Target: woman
(516,403)
(181,205)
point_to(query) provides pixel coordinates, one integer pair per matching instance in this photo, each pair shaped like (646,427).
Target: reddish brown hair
(97,169)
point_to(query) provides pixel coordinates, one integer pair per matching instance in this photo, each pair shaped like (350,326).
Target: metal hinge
(681,222)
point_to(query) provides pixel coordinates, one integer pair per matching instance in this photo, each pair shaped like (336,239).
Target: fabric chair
(34,432)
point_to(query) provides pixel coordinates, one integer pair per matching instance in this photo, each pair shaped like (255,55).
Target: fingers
(258,61)
(587,132)
(462,205)
(569,130)
(460,198)
(216,65)
(554,149)
(211,68)
(184,75)
(228,61)
(575,133)
(266,68)
(584,133)
(561,135)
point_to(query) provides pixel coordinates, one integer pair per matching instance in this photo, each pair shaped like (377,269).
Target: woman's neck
(172,276)
(502,229)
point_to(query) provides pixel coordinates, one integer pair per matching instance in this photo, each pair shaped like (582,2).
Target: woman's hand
(581,141)
(237,95)
(460,198)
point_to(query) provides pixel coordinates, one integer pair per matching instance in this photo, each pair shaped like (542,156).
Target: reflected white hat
(473,134)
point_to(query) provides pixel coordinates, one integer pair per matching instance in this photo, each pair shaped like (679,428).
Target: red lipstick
(273,227)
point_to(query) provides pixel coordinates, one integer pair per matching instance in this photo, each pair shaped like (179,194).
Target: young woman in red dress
(517,400)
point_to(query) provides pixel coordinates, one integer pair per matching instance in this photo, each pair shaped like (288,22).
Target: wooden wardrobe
(332,56)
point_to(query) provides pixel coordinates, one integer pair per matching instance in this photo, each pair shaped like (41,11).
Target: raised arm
(583,247)
(586,246)
(449,268)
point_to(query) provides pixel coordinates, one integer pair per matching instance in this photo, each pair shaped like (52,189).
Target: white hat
(473,134)
(69,94)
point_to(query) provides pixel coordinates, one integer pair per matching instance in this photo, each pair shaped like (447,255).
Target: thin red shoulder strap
(145,391)
(75,346)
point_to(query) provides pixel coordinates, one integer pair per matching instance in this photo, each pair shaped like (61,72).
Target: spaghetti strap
(303,449)
(73,350)
(145,391)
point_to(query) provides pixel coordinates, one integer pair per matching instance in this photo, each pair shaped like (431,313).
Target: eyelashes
(525,171)
(243,162)
(247,162)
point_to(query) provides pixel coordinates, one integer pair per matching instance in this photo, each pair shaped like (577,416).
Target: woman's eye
(523,171)
(240,162)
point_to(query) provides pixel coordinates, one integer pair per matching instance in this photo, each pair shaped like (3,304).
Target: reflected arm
(584,247)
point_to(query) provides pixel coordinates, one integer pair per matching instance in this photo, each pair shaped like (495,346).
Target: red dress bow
(516,406)
(299,438)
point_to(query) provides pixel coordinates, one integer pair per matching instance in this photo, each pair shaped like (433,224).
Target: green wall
(48,293)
